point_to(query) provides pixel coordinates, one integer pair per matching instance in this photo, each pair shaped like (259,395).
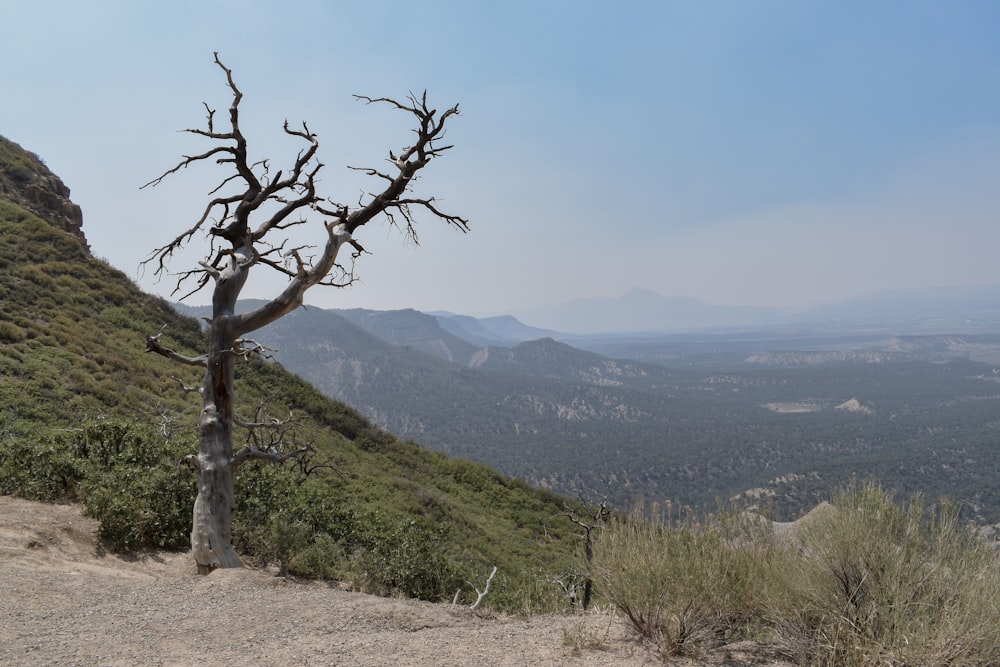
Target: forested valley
(779,421)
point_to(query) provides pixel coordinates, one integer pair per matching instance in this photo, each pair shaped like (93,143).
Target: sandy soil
(65,602)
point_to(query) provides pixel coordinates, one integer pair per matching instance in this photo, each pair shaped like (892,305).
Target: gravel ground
(65,602)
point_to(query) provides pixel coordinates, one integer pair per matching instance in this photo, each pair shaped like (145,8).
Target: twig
(481,594)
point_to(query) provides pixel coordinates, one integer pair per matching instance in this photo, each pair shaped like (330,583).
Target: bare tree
(595,515)
(248,223)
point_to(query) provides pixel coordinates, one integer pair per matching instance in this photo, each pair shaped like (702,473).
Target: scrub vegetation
(864,581)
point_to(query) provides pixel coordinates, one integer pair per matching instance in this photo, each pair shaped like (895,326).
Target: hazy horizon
(773,154)
(957,309)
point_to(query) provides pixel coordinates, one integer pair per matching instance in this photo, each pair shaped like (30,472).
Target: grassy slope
(72,340)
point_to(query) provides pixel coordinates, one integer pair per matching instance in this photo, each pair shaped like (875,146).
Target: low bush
(884,583)
(306,528)
(400,556)
(290,521)
(682,583)
(38,468)
(134,486)
(867,583)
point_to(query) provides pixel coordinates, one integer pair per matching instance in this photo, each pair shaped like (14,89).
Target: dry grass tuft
(867,583)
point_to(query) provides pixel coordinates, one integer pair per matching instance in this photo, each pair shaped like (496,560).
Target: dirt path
(63,602)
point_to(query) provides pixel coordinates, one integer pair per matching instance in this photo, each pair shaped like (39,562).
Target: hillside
(80,394)
(502,330)
(412,328)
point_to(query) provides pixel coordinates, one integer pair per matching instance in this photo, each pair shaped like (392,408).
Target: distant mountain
(418,394)
(640,311)
(409,338)
(951,308)
(503,330)
(716,415)
(643,311)
(412,328)
(565,418)
(471,330)
(513,329)
(550,359)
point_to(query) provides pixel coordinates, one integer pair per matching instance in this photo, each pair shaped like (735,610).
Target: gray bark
(212,527)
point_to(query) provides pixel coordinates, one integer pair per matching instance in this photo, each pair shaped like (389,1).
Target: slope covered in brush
(88,414)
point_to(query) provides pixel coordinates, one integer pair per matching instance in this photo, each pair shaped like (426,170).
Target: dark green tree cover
(694,430)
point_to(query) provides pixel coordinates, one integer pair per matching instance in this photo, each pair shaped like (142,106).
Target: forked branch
(252,203)
(480,594)
(251,454)
(268,438)
(153,345)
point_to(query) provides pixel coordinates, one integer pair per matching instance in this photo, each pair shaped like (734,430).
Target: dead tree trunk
(264,204)
(211,533)
(588,523)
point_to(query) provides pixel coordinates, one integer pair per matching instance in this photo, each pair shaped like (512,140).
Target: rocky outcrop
(27,182)
(827,358)
(854,405)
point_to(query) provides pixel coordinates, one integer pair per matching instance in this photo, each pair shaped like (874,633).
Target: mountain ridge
(642,311)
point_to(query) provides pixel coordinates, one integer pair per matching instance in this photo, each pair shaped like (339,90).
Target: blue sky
(777,153)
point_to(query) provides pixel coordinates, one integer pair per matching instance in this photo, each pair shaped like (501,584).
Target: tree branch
(268,448)
(153,345)
(250,453)
(410,161)
(190,460)
(482,594)
(306,276)
(261,204)
(186,388)
(273,422)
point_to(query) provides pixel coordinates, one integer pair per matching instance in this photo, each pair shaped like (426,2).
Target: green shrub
(306,528)
(287,520)
(322,558)
(141,507)
(39,468)
(134,486)
(126,474)
(11,333)
(404,557)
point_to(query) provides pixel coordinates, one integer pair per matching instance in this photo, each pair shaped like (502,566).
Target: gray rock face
(27,182)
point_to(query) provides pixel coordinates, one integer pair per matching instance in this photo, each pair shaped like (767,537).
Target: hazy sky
(779,153)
